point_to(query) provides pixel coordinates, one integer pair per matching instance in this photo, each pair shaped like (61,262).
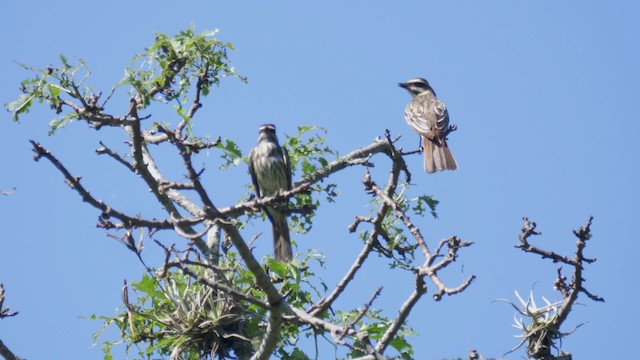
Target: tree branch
(583,234)
(318,308)
(376,147)
(419,290)
(542,339)
(106,210)
(6,353)
(5,312)
(271,336)
(145,167)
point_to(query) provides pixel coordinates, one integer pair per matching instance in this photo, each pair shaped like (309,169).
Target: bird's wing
(287,166)
(442,116)
(417,116)
(252,172)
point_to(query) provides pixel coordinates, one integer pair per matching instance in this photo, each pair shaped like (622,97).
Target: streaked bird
(270,171)
(429,117)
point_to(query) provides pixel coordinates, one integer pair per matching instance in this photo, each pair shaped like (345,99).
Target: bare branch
(107,211)
(196,98)
(5,312)
(541,341)
(194,176)
(112,153)
(453,244)
(325,303)
(333,329)
(145,166)
(257,204)
(428,268)
(359,219)
(369,184)
(6,353)
(583,234)
(371,242)
(359,156)
(419,290)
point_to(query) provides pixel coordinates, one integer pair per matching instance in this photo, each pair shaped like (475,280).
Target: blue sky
(544,94)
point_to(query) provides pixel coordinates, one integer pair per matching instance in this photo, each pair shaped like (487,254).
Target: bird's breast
(271,171)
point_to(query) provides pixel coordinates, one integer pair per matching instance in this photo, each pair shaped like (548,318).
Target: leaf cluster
(51,85)
(173,65)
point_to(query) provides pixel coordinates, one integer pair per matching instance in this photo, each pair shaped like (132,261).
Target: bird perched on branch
(270,171)
(428,117)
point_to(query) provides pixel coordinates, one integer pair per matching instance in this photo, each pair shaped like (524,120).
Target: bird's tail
(281,240)
(437,157)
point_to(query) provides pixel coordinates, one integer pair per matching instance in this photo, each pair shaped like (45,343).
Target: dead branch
(5,312)
(569,291)
(6,353)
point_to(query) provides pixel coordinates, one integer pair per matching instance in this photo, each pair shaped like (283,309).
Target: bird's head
(267,128)
(416,86)
(267,132)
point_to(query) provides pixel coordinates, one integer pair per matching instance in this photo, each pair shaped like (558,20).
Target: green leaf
(147,285)
(54,90)
(172,65)
(423,202)
(20,106)
(297,354)
(231,153)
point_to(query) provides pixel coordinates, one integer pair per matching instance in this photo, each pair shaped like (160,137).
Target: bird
(270,170)
(429,117)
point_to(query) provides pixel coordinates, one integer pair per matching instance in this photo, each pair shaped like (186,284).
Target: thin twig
(112,153)
(362,312)
(107,211)
(5,312)
(401,214)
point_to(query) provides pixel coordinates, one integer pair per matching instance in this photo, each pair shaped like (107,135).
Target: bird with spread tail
(270,170)
(429,117)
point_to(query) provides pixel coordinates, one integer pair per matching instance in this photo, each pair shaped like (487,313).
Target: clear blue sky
(544,94)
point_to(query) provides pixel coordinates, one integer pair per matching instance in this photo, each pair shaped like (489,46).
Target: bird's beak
(402,85)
